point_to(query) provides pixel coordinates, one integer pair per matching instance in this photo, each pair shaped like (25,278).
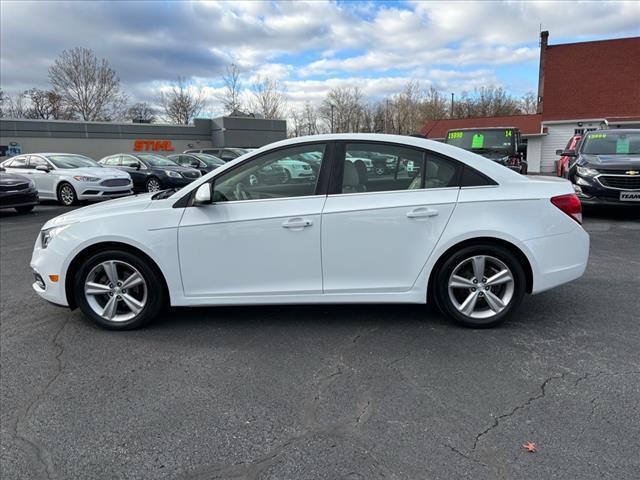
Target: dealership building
(99,139)
(581,87)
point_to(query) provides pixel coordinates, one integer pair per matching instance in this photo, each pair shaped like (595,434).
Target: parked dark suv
(500,144)
(151,172)
(606,167)
(200,161)
(227,154)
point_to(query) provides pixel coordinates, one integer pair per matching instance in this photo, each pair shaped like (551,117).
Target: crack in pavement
(604,374)
(42,454)
(496,421)
(462,454)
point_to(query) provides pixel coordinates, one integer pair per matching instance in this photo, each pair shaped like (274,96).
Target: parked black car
(17,192)
(605,169)
(227,154)
(151,172)
(200,161)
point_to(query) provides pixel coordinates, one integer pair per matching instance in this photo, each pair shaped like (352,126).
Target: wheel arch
(98,247)
(514,249)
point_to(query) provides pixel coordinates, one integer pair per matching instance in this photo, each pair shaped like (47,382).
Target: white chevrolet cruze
(466,232)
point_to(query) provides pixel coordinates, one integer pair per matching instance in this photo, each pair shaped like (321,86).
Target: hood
(102,172)
(102,209)
(613,162)
(7,178)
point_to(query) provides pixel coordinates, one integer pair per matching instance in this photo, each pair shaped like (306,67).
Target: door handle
(297,223)
(422,212)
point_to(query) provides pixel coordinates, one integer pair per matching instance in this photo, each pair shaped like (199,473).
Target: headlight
(587,172)
(83,178)
(171,173)
(31,184)
(47,234)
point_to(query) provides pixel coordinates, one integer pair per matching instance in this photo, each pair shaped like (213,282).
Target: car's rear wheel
(153,185)
(25,208)
(480,285)
(66,194)
(118,290)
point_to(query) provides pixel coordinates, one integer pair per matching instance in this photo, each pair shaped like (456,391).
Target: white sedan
(69,177)
(465,232)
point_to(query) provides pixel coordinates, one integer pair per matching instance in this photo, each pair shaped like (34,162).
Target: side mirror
(203,194)
(137,165)
(43,168)
(568,153)
(194,165)
(2,169)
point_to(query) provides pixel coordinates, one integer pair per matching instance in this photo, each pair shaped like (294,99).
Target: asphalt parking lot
(336,392)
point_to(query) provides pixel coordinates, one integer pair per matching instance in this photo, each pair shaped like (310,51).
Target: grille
(191,174)
(17,186)
(115,182)
(622,182)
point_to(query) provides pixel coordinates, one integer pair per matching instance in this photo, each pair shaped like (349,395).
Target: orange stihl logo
(153,146)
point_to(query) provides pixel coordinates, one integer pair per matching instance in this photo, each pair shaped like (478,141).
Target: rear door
(378,230)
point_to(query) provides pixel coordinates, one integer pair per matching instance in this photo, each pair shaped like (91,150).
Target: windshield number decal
(622,145)
(453,135)
(477,141)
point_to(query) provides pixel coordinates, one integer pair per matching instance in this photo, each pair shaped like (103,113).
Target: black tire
(67,194)
(155,299)
(25,208)
(151,181)
(441,284)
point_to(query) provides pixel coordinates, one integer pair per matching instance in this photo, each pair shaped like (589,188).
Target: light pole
(452,104)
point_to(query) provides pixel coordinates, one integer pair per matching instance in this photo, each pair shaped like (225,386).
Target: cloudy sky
(309,46)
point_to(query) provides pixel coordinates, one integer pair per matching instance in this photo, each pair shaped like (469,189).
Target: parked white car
(68,177)
(295,169)
(466,232)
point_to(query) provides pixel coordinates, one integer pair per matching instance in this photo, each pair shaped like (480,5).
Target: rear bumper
(559,258)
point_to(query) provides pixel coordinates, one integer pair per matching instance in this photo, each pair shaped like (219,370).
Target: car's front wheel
(480,285)
(67,195)
(118,290)
(153,185)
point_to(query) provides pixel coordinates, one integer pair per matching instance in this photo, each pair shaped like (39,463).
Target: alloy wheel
(67,195)
(153,185)
(481,286)
(115,290)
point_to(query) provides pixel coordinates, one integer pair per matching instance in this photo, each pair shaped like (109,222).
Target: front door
(256,238)
(380,228)
(45,181)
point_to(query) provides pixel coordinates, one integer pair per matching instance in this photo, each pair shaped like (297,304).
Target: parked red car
(562,165)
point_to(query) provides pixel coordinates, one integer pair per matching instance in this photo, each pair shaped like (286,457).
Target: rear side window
(17,162)
(473,178)
(371,167)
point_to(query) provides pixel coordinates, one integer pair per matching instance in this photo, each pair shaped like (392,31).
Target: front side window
(72,161)
(278,174)
(128,161)
(383,168)
(37,162)
(156,160)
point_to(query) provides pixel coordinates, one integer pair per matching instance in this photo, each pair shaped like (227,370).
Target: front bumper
(592,192)
(19,199)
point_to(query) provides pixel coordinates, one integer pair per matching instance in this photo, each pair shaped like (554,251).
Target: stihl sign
(153,146)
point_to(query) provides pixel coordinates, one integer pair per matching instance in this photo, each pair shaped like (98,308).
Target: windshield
(612,143)
(210,160)
(72,161)
(156,160)
(494,139)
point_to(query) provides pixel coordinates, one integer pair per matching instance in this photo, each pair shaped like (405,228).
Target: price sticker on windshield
(477,141)
(622,145)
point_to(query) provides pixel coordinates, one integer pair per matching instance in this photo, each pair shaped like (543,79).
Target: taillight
(569,204)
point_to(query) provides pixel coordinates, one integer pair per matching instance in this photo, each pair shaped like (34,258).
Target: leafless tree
(303,121)
(529,103)
(341,110)
(230,98)
(13,106)
(142,112)
(267,98)
(434,105)
(89,87)
(47,105)
(181,103)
